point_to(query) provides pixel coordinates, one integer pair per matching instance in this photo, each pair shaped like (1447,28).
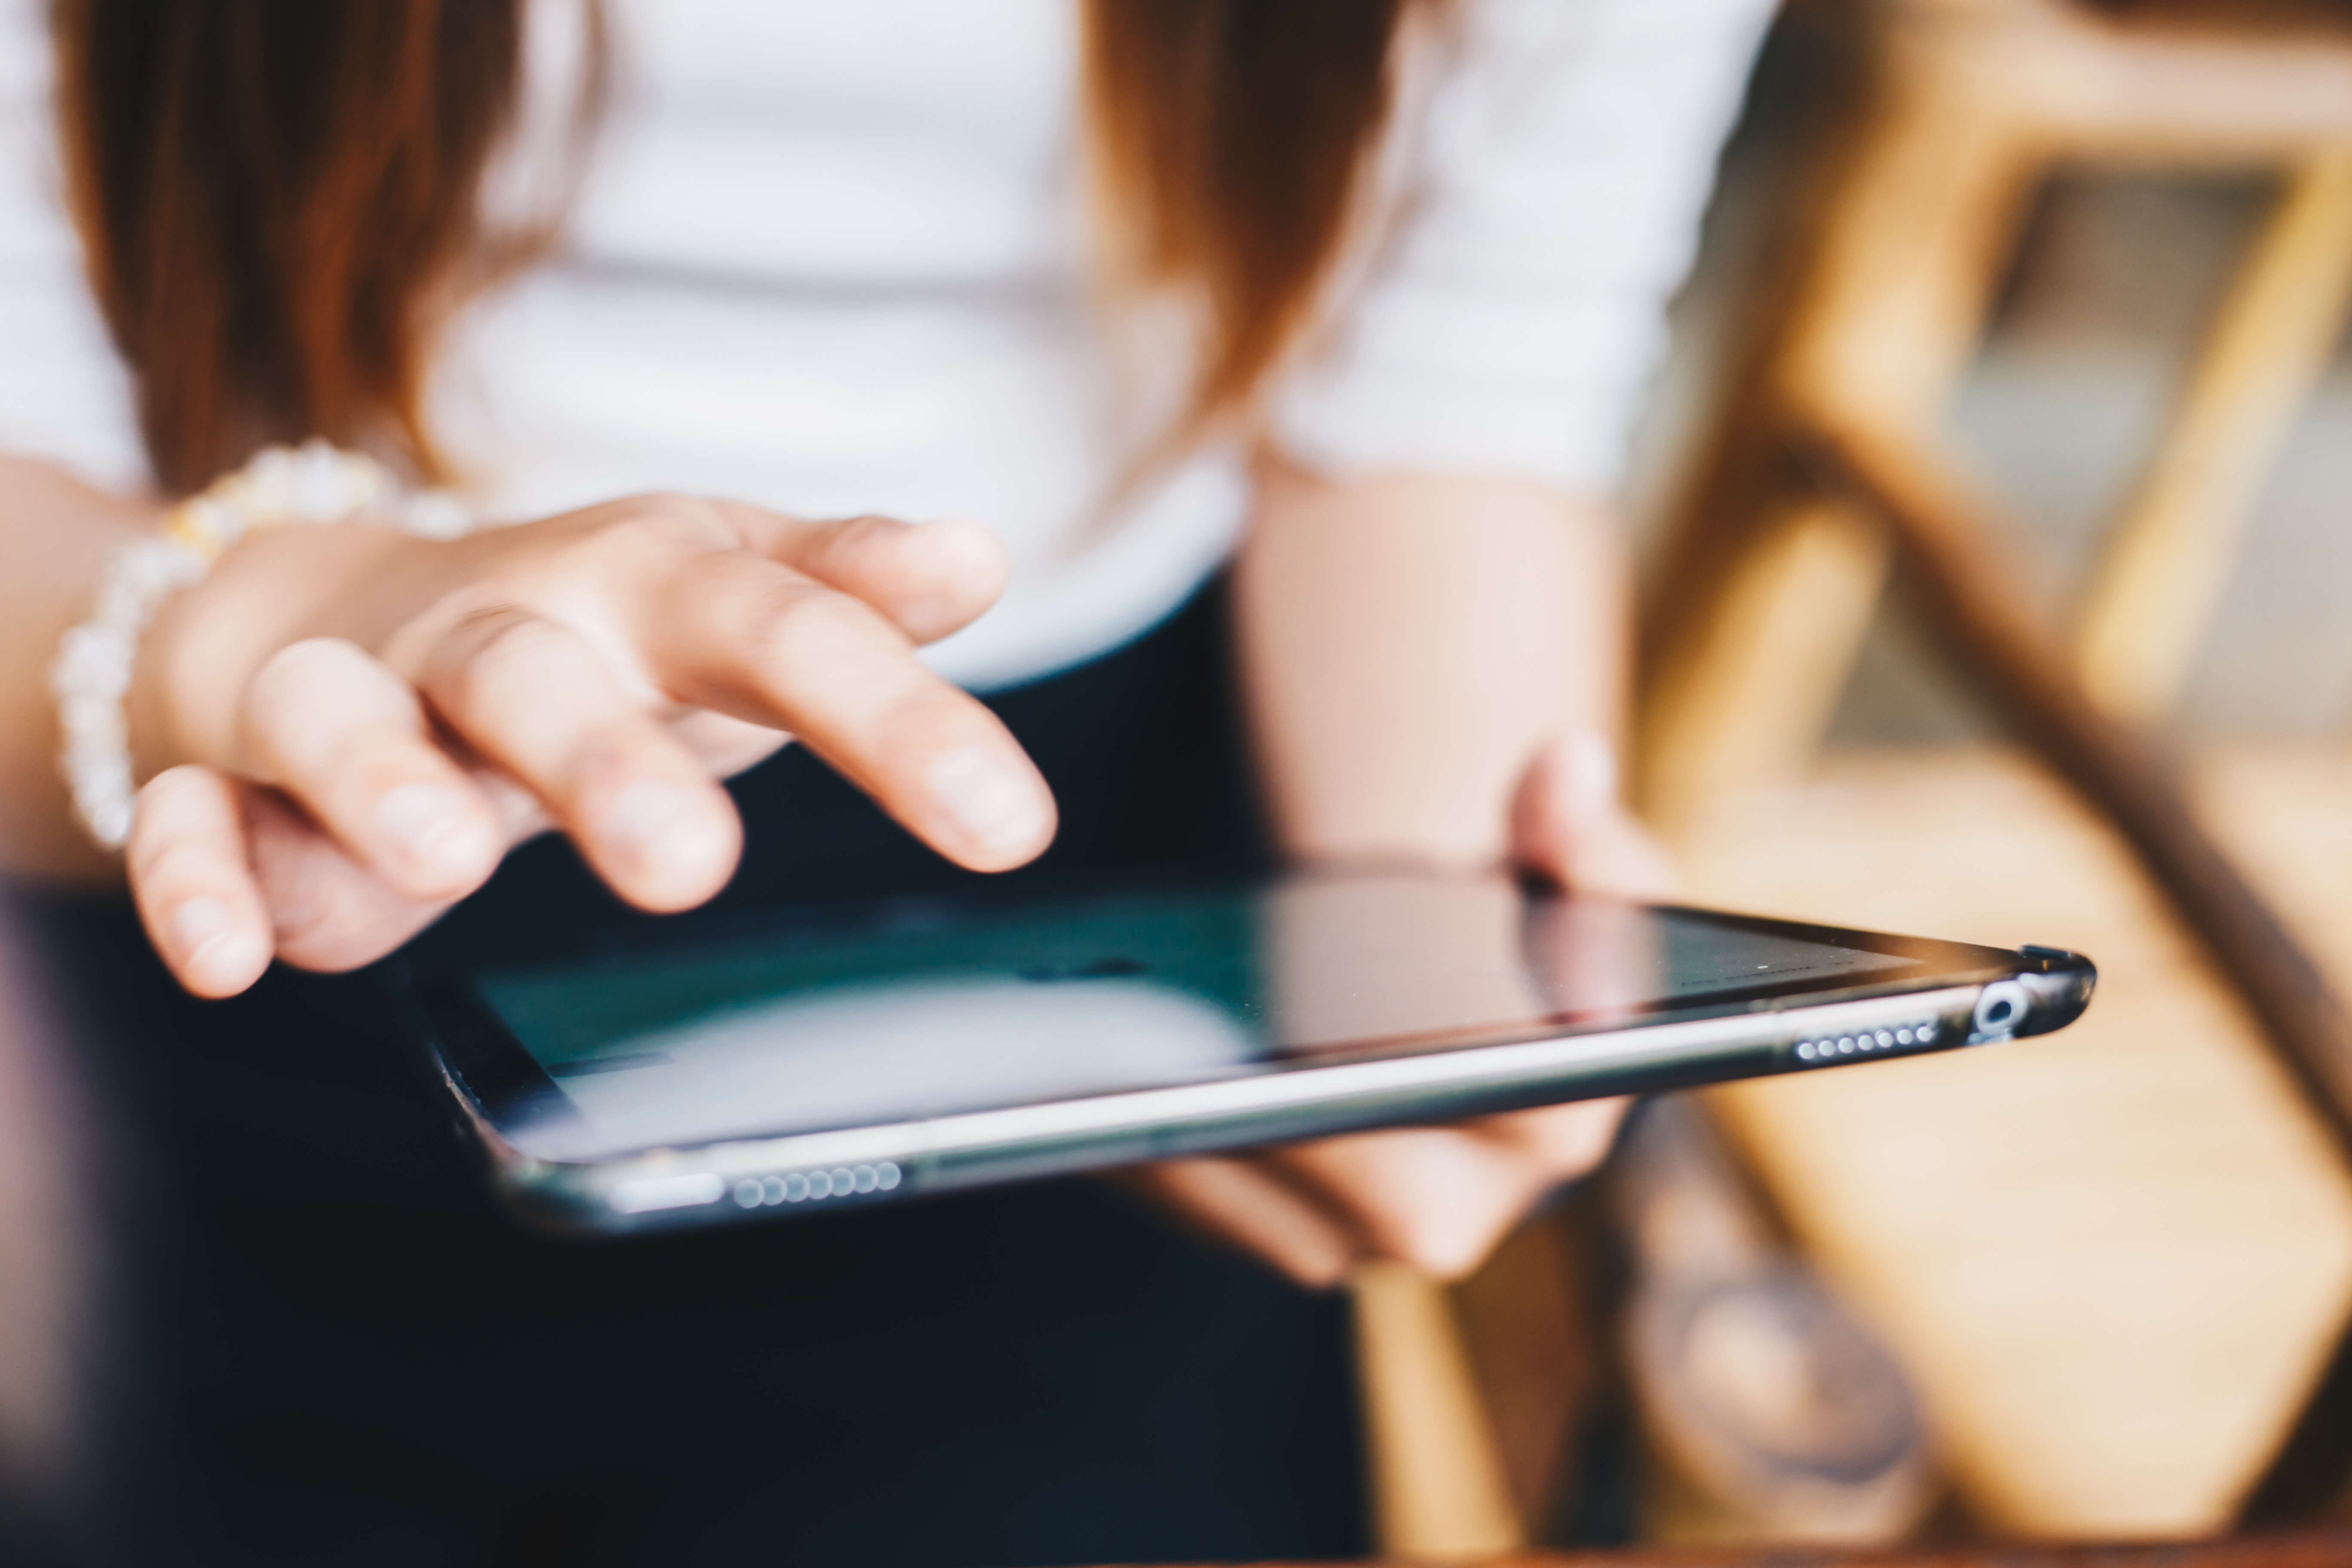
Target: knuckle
(324,913)
(488,648)
(867,529)
(640,542)
(315,706)
(306,661)
(607,754)
(160,863)
(669,518)
(165,799)
(800,625)
(325,717)
(296,676)
(677,503)
(322,929)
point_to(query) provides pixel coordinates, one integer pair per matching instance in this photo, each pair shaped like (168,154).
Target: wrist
(161,666)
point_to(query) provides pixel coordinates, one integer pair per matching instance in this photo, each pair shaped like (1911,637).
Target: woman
(1356,295)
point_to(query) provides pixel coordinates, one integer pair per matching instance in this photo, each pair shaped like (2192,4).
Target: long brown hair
(279,199)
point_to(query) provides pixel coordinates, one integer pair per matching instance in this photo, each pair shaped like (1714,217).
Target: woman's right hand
(352,726)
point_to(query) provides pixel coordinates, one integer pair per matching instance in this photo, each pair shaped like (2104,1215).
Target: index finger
(742,636)
(931,578)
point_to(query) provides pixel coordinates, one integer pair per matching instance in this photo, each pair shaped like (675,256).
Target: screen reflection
(1408,959)
(941,1011)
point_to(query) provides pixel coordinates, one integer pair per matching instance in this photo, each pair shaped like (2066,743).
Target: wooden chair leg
(1532,1323)
(1440,1491)
(2168,557)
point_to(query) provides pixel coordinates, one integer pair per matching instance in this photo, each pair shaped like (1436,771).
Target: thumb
(1568,823)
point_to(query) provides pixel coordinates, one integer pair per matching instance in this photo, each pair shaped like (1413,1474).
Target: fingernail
(1589,770)
(665,827)
(994,803)
(208,942)
(432,829)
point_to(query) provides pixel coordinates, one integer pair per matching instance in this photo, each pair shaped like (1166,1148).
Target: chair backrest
(1762,596)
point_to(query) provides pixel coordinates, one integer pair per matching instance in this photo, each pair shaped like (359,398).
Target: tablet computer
(694,1073)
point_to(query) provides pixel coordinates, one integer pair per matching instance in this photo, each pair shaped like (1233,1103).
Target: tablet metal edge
(670,1186)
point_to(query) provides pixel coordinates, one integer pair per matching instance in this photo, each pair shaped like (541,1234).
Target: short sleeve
(64,395)
(1546,193)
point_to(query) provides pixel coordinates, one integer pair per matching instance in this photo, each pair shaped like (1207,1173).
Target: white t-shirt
(833,258)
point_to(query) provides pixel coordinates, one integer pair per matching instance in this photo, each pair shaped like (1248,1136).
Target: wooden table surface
(2324,1549)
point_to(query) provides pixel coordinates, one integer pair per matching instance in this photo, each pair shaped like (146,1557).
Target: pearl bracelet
(280,487)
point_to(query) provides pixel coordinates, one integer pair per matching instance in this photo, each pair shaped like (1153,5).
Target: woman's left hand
(1439,1197)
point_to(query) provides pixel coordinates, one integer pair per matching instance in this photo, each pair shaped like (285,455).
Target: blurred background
(2073,279)
(2096,317)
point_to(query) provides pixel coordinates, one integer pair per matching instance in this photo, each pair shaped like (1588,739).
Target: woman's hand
(1439,1197)
(353,727)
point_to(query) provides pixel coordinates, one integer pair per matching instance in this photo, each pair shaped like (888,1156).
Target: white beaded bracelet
(280,487)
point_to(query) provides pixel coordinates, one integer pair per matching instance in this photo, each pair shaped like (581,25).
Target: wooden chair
(1824,476)
(1769,580)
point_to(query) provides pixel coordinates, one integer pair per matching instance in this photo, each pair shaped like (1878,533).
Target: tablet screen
(937,1010)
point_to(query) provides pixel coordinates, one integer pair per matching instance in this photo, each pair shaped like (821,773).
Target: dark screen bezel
(510,1088)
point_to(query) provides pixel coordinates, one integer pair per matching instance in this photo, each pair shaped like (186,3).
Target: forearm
(55,533)
(1406,643)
